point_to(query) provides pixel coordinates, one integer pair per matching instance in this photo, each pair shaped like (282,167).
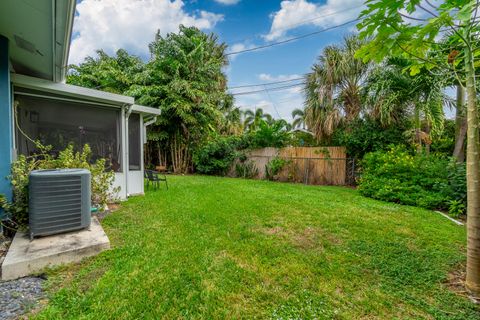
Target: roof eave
(60,67)
(71,90)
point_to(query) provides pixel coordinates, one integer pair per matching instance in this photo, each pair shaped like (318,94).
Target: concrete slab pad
(25,257)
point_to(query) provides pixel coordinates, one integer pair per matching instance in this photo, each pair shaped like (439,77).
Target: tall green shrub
(101,179)
(216,156)
(398,176)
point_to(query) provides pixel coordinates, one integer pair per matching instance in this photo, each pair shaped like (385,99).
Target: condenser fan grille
(59,202)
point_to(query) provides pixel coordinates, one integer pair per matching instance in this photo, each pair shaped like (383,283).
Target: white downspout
(127,159)
(145,125)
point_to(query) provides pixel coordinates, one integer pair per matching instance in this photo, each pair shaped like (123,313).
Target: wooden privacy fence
(309,165)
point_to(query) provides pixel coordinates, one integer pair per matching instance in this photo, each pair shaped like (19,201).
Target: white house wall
(119,182)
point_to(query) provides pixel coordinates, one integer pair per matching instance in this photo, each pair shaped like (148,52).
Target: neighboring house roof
(39,33)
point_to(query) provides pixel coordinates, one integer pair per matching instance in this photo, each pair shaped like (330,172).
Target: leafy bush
(216,156)
(456,208)
(270,135)
(366,135)
(101,180)
(419,180)
(274,166)
(455,188)
(246,169)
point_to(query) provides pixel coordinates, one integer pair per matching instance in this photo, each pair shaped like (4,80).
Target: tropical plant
(333,88)
(367,135)
(274,134)
(393,30)
(114,74)
(274,167)
(245,168)
(252,119)
(232,121)
(184,78)
(392,94)
(298,116)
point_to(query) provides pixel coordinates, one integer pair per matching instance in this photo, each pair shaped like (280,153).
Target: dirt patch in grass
(306,239)
(112,207)
(273,231)
(456,282)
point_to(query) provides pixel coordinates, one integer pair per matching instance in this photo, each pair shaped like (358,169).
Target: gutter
(145,125)
(62,41)
(128,112)
(68,36)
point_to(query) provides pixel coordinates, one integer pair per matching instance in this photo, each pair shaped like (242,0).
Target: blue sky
(131,24)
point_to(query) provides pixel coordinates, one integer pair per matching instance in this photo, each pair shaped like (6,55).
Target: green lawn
(215,248)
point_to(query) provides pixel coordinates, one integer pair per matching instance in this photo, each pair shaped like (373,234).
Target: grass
(216,248)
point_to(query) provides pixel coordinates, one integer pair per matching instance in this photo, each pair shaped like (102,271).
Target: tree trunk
(418,136)
(473,180)
(460,126)
(427,138)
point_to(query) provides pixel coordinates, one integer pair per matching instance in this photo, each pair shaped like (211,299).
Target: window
(134,142)
(59,123)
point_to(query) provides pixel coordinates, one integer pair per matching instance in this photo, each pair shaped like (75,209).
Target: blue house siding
(5,119)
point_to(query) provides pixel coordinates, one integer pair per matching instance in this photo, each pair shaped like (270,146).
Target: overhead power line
(291,39)
(266,83)
(270,89)
(306,21)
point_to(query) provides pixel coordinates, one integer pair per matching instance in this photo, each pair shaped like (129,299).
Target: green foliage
(444,143)
(333,88)
(419,180)
(101,180)
(383,22)
(252,119)
(185,79)
(107,73)
(367,135)
(274,166)
(216,156)
(455,188)
(302,139)
(456,208)
(246,169)
(275,134)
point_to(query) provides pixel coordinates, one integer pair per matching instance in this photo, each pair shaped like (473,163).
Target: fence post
(308,171)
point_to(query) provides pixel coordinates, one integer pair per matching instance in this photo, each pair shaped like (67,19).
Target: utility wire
(292,39)
(271,89)
(271,100)
(267,83)
(304,22)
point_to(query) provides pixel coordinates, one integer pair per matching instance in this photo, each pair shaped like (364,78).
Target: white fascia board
(65,16)
(71,90)
(145,110)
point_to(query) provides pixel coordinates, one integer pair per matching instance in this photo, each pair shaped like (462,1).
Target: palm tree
(333,88)
(298,116)
(392,95)
(254,118)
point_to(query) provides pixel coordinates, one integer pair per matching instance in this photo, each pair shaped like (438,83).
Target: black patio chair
(155,178)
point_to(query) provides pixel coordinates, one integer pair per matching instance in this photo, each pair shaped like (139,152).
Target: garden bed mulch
(17,296)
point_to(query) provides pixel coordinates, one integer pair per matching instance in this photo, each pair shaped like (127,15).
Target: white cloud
(129,24)
(295,13)
(238,47)
(281,77)
(228,2)
(281,101)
